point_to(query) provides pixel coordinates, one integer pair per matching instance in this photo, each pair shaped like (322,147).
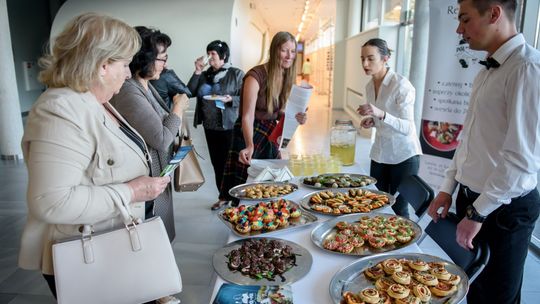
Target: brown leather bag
(188,176)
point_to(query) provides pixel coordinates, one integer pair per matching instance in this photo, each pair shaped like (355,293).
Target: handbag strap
(185,132)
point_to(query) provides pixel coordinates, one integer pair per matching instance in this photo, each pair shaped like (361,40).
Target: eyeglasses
(164,60)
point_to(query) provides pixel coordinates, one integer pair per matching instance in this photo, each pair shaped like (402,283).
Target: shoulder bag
(188,176)
(133,264)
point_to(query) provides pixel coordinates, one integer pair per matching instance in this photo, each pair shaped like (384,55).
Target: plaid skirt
(235,173)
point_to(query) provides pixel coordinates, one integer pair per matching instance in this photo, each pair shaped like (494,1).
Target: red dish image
(441,135)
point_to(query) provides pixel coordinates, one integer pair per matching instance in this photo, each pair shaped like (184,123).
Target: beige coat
(78,163)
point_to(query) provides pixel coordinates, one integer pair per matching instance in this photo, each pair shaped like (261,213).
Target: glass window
(372,9)
(392,11)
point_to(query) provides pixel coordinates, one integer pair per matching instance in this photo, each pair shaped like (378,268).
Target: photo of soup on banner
(440,136)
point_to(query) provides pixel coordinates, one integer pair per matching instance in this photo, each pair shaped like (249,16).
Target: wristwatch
(473,215)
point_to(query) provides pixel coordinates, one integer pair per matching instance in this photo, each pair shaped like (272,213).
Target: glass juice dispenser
(343,141)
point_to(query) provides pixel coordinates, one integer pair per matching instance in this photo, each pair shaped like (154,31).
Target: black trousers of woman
(389,177)
(507,231)
(218,143)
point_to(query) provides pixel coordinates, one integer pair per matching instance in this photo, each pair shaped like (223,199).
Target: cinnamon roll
(370,295)
(385,299)
(402,277)
(443,289)
(374,273)
(391,265)
(397,291)
(426,278)
(422,292)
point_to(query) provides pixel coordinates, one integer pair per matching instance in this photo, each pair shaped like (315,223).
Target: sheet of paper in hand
(175,161)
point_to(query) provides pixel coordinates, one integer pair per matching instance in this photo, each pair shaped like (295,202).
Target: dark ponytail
(381,46)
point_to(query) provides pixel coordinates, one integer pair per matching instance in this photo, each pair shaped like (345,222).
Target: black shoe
(219,205)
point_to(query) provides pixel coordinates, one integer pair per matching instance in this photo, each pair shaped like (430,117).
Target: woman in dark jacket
(218,97)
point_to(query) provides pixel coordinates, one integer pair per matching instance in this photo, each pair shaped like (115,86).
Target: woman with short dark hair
(218,97)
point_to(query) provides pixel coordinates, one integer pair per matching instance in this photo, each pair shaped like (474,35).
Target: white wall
(190,24)
(249,35)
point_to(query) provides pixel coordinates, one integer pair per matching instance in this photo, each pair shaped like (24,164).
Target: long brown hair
(279,81)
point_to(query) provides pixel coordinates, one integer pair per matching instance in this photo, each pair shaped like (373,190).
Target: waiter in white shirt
(395,152)
(497,160)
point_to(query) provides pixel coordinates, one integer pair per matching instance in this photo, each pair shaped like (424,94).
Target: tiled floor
(199,231)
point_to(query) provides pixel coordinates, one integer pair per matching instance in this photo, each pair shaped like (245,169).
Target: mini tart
(374,273)
(401,277)
(356,241)
(369,295)
(345,248)
(383,283)
(389,239)
(398,291)
(257,225)
(426,278)
(441,273)
(351,298)
(330,244)
(376,242)
(271,226)
(391,265)
(342,225)
(422,292)
(242,228)
(295,213)
(453,280)
(418,265)
(403,238)
(443,289)
(282,222)
(410,299)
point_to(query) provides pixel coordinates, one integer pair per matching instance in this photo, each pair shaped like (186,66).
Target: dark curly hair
(221,48)
(143,63)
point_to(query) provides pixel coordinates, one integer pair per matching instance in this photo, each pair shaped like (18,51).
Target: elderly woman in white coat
(84,160)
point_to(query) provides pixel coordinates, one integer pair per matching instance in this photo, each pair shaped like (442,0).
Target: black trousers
(389,177)
(507,231)
(52,284)
(219,143)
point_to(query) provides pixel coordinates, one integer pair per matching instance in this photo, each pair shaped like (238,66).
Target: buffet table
(314,287)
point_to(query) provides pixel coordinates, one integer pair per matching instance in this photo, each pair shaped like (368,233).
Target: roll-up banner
(451,69)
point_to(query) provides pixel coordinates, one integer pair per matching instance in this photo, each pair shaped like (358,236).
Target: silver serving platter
(239,191)
(304,260)
(328,229)
(306,205)
(373,180)
(304,220)
(351,277)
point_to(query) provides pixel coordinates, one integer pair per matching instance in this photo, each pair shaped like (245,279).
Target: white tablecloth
(314,287)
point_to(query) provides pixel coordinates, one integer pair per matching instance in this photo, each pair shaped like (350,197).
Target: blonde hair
(276,91)
(87,42)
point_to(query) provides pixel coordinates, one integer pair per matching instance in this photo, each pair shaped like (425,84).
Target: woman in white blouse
(390,107)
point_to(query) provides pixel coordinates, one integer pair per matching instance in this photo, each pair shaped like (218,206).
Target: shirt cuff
(484,205)
(448,186)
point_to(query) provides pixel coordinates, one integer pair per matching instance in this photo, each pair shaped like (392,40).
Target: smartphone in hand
(175,161)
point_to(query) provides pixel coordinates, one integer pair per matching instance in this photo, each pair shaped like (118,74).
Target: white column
(355,10)
(419,56)
(11,127)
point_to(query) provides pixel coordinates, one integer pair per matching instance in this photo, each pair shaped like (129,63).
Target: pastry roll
(351,298)
(453,280)
(426,278)
(374,273)
(422,292)
(383,284)
(410,299)
(418,265)
(443,289)
(391,265)
(441,273)
(398,291)
(402,277)
(370,295)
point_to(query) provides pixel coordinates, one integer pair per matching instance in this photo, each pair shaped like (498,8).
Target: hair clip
(219,44)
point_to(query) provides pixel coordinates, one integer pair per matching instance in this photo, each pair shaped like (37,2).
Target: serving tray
(305,219)
(351,278)
(341,180)
(327,230)
(304,260)
(307,205)
(239,191)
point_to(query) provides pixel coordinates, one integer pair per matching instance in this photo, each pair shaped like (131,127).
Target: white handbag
(129,265)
